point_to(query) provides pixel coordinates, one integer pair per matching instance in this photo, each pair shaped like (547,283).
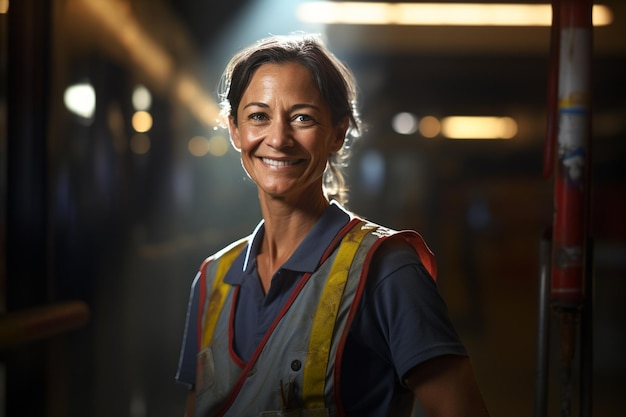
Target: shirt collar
(307,256)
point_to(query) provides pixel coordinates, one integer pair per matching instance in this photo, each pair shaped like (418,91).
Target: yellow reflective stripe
(218,294)
(316,363)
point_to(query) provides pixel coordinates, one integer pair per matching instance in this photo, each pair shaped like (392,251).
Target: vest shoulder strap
(326,316)
(221,261)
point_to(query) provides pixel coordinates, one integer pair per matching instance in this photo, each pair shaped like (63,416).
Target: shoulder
(399,252)
(395,248)
(396,277)
(400,248)
(226,256)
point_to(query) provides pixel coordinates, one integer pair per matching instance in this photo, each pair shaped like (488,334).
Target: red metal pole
(572,168)
(571,181)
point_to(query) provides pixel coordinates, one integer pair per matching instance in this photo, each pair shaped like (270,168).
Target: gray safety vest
(295,369)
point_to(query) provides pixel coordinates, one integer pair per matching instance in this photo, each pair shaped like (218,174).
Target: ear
(339,135)
(233,130)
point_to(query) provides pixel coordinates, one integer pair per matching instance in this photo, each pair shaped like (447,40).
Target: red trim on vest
(423,251)
(350,318)
(231,331)
(202,299)
(426,257)
(244,374)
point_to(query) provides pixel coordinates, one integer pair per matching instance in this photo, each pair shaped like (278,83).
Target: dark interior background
(87,218)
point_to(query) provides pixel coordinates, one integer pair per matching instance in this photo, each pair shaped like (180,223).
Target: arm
(445,386)
(187,361)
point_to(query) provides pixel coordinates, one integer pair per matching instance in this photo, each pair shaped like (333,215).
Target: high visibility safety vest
(295,370)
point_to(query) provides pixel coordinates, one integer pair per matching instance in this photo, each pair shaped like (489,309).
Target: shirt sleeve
(186,373)
(404,308)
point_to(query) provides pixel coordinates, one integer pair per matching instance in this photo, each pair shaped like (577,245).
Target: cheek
(248,139)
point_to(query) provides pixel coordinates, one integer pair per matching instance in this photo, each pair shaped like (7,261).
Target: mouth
(281,163)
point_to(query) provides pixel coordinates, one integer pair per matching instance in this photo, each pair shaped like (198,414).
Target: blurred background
(116,184)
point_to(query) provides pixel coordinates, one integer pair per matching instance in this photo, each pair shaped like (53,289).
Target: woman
(317,313)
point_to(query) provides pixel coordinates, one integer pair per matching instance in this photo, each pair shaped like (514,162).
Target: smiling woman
(317,312)
(285,133)
(333,80)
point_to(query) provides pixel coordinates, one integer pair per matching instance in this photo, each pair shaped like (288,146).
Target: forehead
(288,77)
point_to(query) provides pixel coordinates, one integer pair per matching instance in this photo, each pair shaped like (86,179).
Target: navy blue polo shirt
(256,311)
(402,321)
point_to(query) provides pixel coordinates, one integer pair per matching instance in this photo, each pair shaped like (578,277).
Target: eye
(258,117)
(303,118)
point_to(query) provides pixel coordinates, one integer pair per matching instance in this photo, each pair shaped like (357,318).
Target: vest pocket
(205,373)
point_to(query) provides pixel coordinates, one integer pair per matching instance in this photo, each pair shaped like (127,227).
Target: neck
(286,225)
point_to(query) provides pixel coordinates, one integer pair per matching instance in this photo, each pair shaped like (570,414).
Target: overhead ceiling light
(478,127)
(436,14)
(155,65)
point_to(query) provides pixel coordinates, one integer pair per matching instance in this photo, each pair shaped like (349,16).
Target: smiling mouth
(282,163)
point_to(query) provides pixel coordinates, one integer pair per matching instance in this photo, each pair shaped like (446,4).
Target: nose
(280,134)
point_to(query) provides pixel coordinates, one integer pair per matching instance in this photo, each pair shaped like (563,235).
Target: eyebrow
(294,107)
(255,103)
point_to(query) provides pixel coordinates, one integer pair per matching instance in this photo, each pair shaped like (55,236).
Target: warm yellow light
(142,121)
(189,92)
(4,6)
(201,146)
(124,35)
(478,127)
(218,145)
(436,14)
(429,126)
(198,146)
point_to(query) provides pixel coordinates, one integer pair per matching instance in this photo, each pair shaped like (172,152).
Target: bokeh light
(142,121)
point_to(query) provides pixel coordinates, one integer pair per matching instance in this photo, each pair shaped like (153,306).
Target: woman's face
(285,132)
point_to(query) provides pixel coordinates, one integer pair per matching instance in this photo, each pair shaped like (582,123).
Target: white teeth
(276,163)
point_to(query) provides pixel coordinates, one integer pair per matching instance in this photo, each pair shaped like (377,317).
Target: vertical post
(27,193)
(571,186)
(543,327)
(586,336)
(545,248)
